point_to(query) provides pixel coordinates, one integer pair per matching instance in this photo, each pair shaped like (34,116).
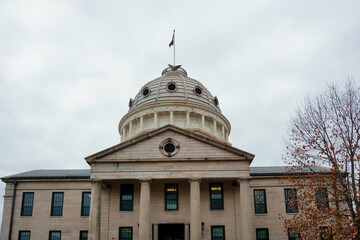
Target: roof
(185,90)
(282,170)
(51,174)
(85,173)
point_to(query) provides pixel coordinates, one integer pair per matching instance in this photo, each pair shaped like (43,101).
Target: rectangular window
(262,234)
(217,232)
(27,204)
(83,235)
(54,235)
(85,203)
(216,196)
(126,197)
(24,235)
(57,203)
(260,201)
(171,197)
(291,200)
(125,233)
(322,200)
(293,234)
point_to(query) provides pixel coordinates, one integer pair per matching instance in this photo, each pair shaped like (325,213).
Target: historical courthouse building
(173,176)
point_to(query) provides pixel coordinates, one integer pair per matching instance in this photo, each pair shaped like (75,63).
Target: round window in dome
(169,147)
(146,92)
(198,90)
(171,87)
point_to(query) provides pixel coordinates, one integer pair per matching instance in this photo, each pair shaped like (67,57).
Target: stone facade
(174,175)
(71,222)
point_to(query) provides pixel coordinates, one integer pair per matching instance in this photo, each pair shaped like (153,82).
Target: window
(125,233)
(126,197)
(54,235)
(169,147)
(216,196)
(57,203)
(24,235)
(83,235)
(293,234)
(217,233)
(262,234)
(198,91)
(27,204)
(260,201)
(171,87)
(171,197)
(291,200)
(322,200)
(146,92)
(85,203)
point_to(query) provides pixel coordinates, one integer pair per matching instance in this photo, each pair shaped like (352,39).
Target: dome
(174,86)
(174,98)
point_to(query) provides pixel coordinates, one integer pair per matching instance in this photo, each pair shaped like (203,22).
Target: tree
(323,146)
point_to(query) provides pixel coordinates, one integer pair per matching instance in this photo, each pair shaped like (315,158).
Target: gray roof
(282,170)
(51,174)
(85,173)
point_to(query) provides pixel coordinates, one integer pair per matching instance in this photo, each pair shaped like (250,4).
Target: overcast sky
(68,68)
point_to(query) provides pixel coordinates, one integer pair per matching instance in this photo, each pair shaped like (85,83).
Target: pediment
(191,147)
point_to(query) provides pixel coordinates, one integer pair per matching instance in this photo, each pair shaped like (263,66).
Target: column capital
(194,179)
(145,180)
(244,179)
(96,181)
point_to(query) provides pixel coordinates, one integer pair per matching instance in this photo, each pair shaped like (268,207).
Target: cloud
(68,69)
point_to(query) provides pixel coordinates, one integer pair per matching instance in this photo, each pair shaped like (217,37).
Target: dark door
(171,232)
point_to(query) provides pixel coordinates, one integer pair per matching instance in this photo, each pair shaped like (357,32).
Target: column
(245,210)
(172,118)
(223,132)
(155,120)
(130,129)
(95,210)
(214,130)
(144,216)
(202,122)
(187,232)
(187,119)
(195,217)
(156,231)
(123,133)
(141,123)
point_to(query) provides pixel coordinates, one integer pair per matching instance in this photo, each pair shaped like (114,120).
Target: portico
(192,226)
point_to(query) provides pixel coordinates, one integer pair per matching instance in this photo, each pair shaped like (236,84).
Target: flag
(172,40)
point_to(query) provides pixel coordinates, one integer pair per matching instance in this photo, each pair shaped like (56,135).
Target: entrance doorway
(171,231)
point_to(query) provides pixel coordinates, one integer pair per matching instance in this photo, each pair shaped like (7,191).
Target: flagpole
(174,47)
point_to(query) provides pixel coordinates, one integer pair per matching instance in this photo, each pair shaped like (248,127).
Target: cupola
(174,98)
